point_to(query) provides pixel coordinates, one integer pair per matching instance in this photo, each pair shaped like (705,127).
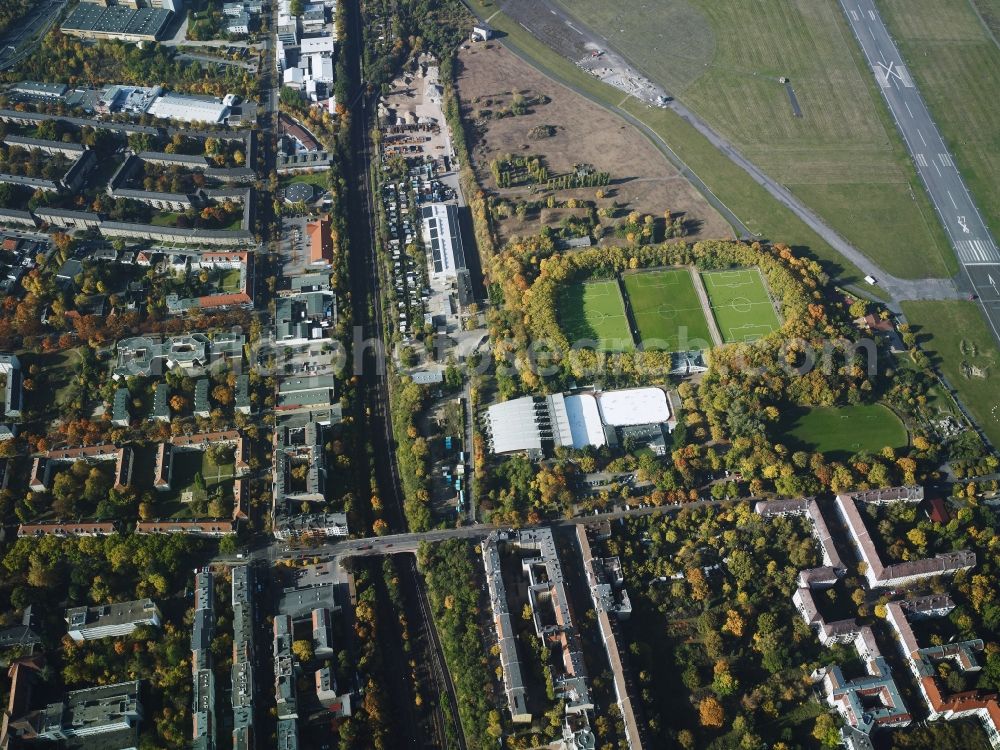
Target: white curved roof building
(633,406)
(537,423)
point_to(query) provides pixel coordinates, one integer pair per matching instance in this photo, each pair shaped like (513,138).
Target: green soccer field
(842,431)
(595,311)
(740,304)
(667,310)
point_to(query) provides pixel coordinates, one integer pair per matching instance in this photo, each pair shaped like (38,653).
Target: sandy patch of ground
(581,133)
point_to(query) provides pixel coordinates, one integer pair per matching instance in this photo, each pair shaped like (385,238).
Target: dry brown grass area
(584,133)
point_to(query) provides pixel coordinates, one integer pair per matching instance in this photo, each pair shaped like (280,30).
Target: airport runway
(974,245)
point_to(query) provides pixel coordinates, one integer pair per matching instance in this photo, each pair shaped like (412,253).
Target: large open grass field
(843,157)
(667,310)
(595,311)
(742,308)
(954,332)
(756,208)
(841,431)
(956,64)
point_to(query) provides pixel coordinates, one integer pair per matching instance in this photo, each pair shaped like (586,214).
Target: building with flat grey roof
(311,524)
(322,643)
(243,656)
(553,623)
(241,402)
(878,574)
(70,150)
(92,713)
(39,90)
(10,367)
(203,695)
(284,668)
(202,407)
(120,412)
(287,735)
(116,22)
(107,620)
(510,660)
(161,406)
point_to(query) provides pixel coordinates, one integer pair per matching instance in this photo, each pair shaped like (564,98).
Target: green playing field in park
(667,310)
(595,311)
(740,304)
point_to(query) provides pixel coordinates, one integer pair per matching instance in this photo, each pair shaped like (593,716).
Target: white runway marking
(871,14)
(921,160)
(946,160)
(977,251)
(937,169)
(922,138)
(954,205)
(908,109)
(854,16)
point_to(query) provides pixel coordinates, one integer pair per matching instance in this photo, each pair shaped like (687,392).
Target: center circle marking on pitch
(666,312)
(741,304)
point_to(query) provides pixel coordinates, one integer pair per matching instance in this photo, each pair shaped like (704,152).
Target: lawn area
(755,207)
(595,311)
(841,431)
(724,61)
(319,179)
(229,280)
(667,310)
(188,463)
(740,303)
(956,65)
(955,332)
(164,219)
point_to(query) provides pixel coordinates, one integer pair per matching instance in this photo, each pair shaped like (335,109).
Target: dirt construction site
(564,129)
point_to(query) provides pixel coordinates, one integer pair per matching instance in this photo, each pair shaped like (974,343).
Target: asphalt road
(974,245)
(392,544)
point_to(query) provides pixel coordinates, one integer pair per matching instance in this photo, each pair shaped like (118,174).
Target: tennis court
(667,310)
(740,304)
(595,311)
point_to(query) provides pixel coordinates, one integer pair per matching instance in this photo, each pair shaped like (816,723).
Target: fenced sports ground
(740,303)
(666,309)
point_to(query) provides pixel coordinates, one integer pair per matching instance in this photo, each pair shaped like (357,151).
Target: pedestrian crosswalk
(977,251)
